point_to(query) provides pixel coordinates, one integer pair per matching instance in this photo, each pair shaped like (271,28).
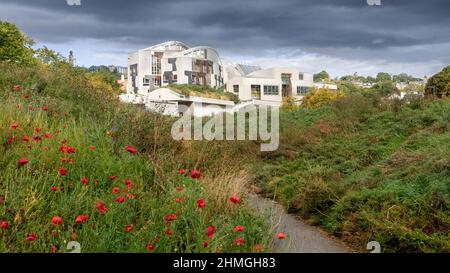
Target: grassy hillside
(66,174)
(366,169)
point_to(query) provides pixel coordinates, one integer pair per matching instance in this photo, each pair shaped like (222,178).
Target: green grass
(367,172)
(79,116)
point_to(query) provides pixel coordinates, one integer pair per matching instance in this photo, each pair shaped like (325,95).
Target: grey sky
(341,37)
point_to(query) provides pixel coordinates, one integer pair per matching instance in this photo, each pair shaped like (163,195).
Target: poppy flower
(85,181)
(4,225)
(235,199)
(205,244)
(25,138)
(168,231)
(179,188)
(26,96)
(201,203)
(120,199)
(17,88)
(112,177)
(129,228)
(81,219)
(48,135)
(54,249)
(37,130)
(14,126)
(91,148)
(37,138)
(239,241)
(131,150)
(171,217)
(54,188)
(74,236)
(281,236)
(239,228)
(129,183)
(56,220)
(22,162)
(195,174)
(45,108)
(179,199)
(71,150)
(115,190)
(210,231)
(10,140)
(150,247)
(62,172)
(182,171)
(257,247)
(131,196)
(101,207)
(18,105)
(31,237)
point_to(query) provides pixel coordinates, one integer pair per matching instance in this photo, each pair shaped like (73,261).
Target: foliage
(383,77)
(203,91)
(385,88)
(439,84)
(321,76)
(15,46)
(320,97)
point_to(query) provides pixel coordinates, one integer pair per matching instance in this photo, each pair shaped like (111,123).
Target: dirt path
(301,237)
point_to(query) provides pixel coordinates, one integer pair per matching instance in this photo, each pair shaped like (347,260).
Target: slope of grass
(368,172)
(56,107)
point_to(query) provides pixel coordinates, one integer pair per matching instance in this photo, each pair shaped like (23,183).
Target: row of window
(271,89)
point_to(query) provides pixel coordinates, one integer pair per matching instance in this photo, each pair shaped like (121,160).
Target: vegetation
(439,84)
(203,91)
(15,46)
(320,97)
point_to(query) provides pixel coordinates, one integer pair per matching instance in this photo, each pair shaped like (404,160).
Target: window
(302,90)
(175,78)
(300,76)
(236,88)
(156,65)
(157,82)
(256,91)
(270,89)
(146,82)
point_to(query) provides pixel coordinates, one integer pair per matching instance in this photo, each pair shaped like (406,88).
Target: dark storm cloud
(243,26)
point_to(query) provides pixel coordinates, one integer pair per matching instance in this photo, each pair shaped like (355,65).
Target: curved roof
(168,43)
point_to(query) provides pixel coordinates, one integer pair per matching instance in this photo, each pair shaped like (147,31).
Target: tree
(14,45)
(385,88)
(383,76)
(439,84)
(320,97)
(48,56)
(321,76)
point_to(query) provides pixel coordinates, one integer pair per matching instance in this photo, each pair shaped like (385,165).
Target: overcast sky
(340,36)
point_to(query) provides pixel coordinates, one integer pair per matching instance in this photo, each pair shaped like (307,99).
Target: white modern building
(173,62)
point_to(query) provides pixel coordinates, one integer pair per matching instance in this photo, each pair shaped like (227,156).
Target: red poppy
(239,228)
(66,149)
(56,220)
(179,199)
(85,181)
(10,139)
(235,199)
(179,188)
(115,190)
(81,219)
(54,249)
(112,177)
(150,247)
(168,231)
(70,150)
(131,196)
(239,241)
(92,148)
(14,126)
(23,161)
(17,88)
(131,150)
(205,244)
(182,171)
(37,138)
(101,207)
(31,237)
(129,228)
(210,231)
(281,236)
(45,108)
(120,199)
(25,138)
(257,247)
(201,203)
(26,96)
(195,174)
(54,188)
(48,135)
(18,105)
(129,183)
(62,172)
(4,225)
(171,217)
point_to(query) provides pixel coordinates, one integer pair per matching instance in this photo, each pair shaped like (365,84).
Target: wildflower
(112,177)
(48,135)
(239,241)
(239,228)
(101,207)
(120,199)
(129,183)
(182,171)
(54,188)
(205,244)
(37,130)
(131,196)
(150,247)
(81,219)
(56,220)
(85,181)
(15,126)
(4,225)
(115,190)
(129,228)
(168,231)
(62,172)
(257,247)
(31,237)
(171,217)
(179,188)
(195,174)
(210,231)
(281,236)
(37,138)
(179,199)
(10,140)
(91,148)
(131,150)
(23,161)
(25,138)
(54,249)
(45,108)
(201,203)
(17,88)
(235,199)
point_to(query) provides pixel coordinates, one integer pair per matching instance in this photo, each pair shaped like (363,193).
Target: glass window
(236,88)
(271,90)
(300,76)
(146,82)
(256,90)
(303,90)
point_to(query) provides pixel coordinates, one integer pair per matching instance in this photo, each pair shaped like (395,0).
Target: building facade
(173,62)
